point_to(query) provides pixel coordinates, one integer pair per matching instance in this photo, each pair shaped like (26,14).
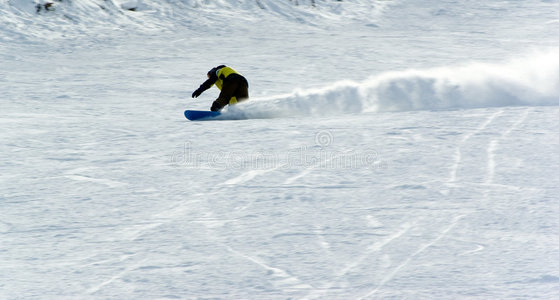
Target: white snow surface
(390,149)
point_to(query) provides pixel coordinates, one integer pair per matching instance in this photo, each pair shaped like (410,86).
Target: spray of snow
(530,81)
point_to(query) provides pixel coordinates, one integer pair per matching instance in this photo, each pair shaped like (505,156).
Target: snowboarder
(233,86)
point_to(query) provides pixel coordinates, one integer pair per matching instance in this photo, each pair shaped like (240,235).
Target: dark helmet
(214,70)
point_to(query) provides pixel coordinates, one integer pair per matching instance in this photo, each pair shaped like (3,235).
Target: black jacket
(212,74)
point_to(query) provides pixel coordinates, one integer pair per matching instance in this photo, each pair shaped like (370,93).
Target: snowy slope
(60,19)
(390,149)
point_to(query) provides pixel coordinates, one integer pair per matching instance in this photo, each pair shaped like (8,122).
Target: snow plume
(530,81)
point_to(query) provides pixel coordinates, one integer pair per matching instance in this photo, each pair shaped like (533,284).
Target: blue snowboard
(195,115)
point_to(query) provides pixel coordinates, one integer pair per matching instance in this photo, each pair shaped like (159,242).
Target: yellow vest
(222,74)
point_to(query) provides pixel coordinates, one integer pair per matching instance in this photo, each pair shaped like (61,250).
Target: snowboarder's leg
(227,92)
(242,91)
(234,90)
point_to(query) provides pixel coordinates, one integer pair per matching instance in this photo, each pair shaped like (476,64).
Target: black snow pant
(233,86)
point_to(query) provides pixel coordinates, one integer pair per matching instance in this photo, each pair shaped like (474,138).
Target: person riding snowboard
(233,86)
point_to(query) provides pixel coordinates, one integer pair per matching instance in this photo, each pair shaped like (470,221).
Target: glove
(196,93)
(216,106)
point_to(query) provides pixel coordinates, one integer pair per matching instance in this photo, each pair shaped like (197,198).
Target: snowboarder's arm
(204,86)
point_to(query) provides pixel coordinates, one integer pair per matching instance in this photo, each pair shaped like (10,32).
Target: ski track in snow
(283,279)
(107,182)
(490,173)
(376,247)
(248,176)
(458,152)
(494,144)
(477,249)
(310,169)
(128,267)
(396,270)
(135,231)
